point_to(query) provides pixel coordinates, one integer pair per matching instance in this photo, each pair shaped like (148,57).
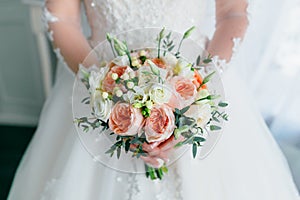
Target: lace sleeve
(62,19)
(231,25)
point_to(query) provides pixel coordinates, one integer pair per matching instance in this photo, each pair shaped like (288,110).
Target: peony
(109,83)
(125,120)
(160,124)
(185,88)
(201,113)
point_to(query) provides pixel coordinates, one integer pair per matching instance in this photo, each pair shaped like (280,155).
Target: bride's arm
(231,22)
(63,19)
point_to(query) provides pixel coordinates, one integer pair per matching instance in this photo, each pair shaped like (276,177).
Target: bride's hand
(158,152)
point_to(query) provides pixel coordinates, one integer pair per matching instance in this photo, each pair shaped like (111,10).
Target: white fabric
(245,164)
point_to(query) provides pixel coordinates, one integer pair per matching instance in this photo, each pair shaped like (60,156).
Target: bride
(246,164)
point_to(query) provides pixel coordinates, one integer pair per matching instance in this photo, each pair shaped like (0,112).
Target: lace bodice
(63,18)
(117,16)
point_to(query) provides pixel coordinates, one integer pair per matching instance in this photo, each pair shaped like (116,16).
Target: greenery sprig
(185,36)
(86,123)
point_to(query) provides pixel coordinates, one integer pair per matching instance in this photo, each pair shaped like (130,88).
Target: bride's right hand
(158,152)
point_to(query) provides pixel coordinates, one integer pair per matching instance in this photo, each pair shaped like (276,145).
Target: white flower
(125,76)
(102,107)
(160,94)
(170,60)
(202,94)
(183,68)
(95,79)
(136,96)
(121,61)
(201,113)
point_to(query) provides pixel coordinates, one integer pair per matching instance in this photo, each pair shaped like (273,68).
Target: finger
(170,143)
(153,161)
(150,146)
(164,156)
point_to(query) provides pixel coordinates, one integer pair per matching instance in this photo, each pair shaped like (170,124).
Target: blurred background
(271,53)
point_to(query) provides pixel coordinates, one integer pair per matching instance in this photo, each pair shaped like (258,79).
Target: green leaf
(188,32)
(127,145)
(143,59)
(177,111)
(194,150)
(198,60)
(223,104)
(199,139)
(164,169)
(118,152)
(162,33)
(159,173)
(179,144)
(208,59)
(214,127)
(183,110)
(108,37)
(207,78)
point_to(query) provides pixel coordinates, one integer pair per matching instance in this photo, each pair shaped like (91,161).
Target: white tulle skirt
(246,164)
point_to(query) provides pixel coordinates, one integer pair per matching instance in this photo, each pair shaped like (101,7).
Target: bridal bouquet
(150,95)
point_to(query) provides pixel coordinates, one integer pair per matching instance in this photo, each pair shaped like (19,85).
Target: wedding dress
(246,163)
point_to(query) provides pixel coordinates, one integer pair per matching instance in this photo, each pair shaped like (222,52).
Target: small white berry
(114,76)
(130,85)
(104,95)
(142,53)
(135,63)
(149,104)
(119,93)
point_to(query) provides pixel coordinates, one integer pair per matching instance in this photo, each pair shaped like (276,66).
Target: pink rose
(160,124)
(108,83)
(185,88)
(125,119)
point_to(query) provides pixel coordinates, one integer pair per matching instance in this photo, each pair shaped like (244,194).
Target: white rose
(160,94)
(201,113)
(102,107)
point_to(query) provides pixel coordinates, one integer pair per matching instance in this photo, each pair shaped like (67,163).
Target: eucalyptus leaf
(194,150)
(214,127)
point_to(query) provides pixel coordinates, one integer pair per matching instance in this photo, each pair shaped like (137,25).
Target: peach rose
(125,119)
(160,124)
(185,88)
(108,83)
